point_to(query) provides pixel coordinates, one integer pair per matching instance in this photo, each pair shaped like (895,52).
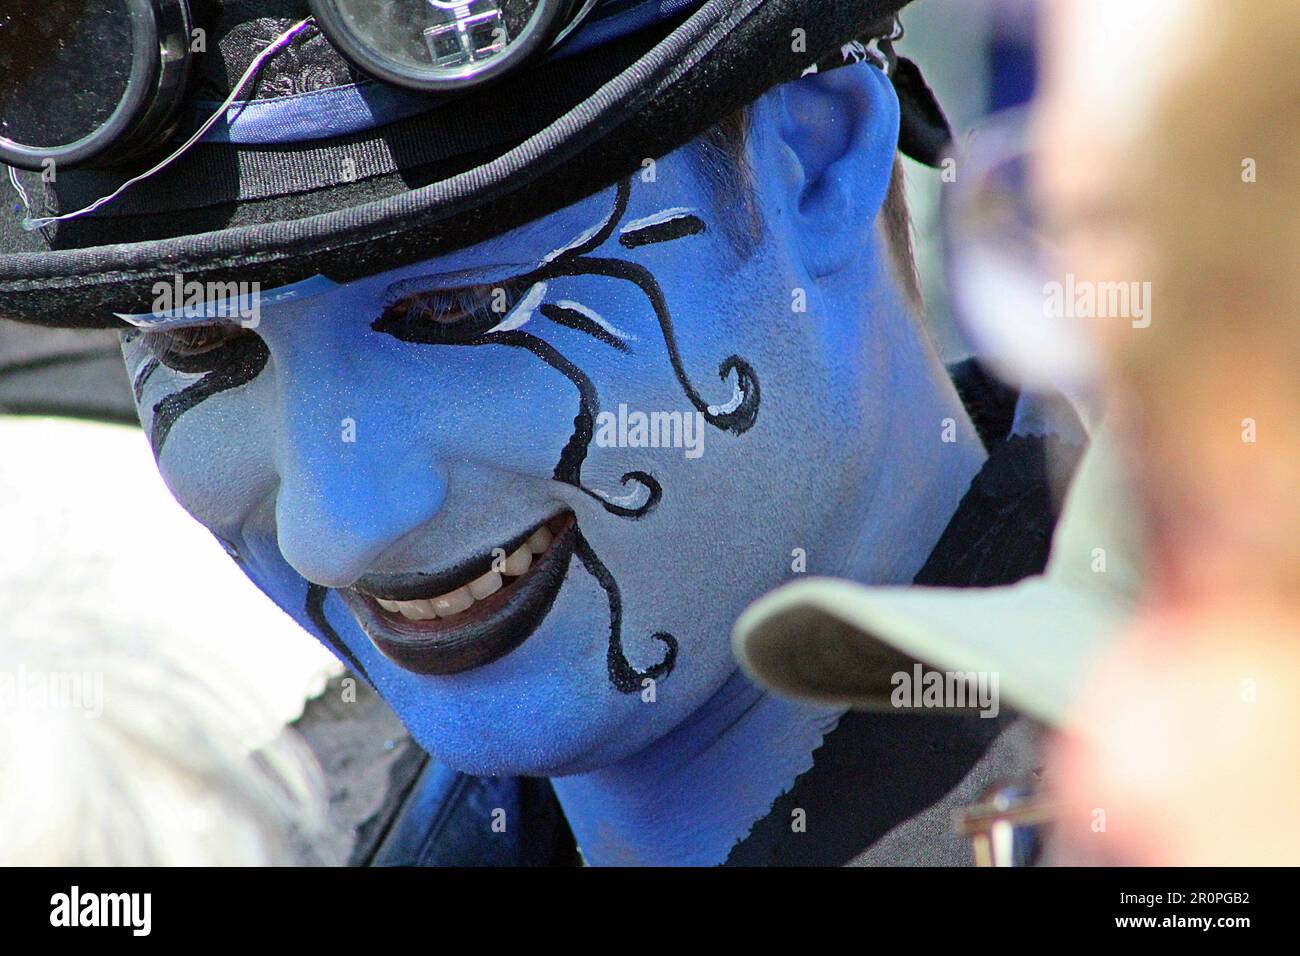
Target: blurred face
(528,486)
(1105,64)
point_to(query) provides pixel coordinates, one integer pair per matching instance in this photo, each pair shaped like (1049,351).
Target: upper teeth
(459,600)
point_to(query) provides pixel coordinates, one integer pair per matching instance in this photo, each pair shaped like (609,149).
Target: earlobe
(839,131)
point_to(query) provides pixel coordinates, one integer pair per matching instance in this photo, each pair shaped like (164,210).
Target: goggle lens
(440,45)
(64,71)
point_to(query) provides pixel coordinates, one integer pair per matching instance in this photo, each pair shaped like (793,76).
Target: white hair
(128,732)
(125,748)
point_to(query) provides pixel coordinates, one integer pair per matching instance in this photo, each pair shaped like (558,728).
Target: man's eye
(451,316)
(197,348)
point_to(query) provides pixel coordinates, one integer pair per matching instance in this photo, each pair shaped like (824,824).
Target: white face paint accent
(631,499)
(591,314)
(737,396)
(523,310)
(191,303)
(573,243)
(664,215)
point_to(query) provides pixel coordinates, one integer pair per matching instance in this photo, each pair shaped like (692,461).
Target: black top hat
(398,176)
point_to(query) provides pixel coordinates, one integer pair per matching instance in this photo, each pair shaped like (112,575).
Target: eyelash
(454,316)
(193,349)
(439,316)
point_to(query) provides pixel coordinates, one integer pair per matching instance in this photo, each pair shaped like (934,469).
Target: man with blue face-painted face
(517,395)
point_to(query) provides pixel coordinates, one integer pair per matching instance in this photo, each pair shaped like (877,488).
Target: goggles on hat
(101,82)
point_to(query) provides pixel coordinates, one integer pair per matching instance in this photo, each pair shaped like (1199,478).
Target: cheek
(219,475)
(217,460)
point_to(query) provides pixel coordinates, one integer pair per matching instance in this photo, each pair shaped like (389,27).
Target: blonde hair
(1215,195)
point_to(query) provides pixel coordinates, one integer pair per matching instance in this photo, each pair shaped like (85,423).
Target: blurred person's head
(1216,190)
(126,747)
(1185,174)
(1167,135)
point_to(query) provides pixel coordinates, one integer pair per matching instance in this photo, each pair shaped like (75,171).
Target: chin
(556,743)
(548,705)
(540,714)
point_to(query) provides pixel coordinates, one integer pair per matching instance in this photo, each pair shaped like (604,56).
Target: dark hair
(724,157)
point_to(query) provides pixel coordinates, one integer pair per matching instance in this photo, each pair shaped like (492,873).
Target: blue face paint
(626,375)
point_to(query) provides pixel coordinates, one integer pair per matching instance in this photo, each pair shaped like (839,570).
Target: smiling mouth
(469,615)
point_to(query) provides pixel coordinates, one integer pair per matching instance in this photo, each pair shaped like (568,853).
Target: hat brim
(722,56)
(840,642)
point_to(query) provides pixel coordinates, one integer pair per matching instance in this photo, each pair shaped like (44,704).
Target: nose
(353,478)
(342,503)
(338,509)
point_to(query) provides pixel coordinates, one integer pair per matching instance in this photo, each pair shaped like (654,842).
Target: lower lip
(488,631)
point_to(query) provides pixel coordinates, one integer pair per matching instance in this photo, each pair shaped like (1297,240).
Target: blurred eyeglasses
(1002,257)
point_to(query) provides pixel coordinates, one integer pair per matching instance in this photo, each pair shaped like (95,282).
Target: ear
(835,137)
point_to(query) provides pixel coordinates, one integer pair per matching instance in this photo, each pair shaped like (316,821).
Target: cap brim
(839,642)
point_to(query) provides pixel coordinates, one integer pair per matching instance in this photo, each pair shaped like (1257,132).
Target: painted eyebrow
(662,226)
(228,310)
(501,272)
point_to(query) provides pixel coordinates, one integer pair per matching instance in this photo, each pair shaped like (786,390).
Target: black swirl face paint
(142,377)
(315,607)
(569,468)
(622,674)
(248,357)
(736,416)
(574,319)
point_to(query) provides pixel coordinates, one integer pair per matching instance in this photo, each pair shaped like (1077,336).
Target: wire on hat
(30,224)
